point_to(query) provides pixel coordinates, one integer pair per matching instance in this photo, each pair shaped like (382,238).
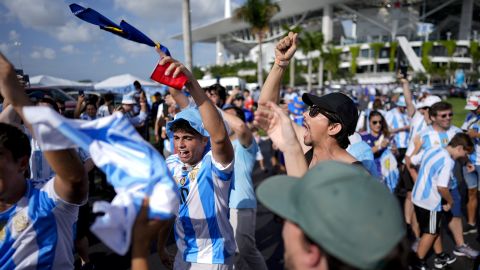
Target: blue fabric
(242,194)
(192,115)
(363,153)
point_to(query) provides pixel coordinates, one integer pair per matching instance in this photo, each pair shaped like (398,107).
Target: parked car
(461,92)
(36,93)
(440,90)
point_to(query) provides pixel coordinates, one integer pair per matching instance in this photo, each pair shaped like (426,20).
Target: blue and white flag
(390,173)
(133,167)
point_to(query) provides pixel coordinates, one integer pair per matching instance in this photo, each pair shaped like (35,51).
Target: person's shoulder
(454,129)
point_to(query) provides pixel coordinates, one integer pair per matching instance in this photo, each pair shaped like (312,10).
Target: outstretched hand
(277,124)
(286,47)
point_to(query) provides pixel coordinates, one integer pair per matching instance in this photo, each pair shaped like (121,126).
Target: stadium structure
(416,27)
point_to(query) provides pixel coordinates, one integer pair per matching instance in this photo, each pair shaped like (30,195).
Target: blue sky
(54,42)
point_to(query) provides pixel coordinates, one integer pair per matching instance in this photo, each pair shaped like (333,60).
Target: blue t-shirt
(242,194)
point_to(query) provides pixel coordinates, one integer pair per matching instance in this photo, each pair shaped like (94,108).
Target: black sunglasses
(315,110)
(376,122)
(445,115)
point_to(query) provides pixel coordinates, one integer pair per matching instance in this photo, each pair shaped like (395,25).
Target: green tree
(296,29)
(474,54)
(376,47)
(309,42)
(258,14)
(393,55)
(450,46)
(332,61)
(427,47)
(354,52)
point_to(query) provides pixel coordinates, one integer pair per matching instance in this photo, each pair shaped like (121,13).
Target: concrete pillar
(220,52)
(466,20)
(327,23)
(187,34)
(228,9)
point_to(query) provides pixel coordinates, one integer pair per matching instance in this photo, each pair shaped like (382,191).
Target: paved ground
(268,236)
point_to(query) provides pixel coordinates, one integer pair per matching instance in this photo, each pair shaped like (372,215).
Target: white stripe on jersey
(396,119)
(435,171)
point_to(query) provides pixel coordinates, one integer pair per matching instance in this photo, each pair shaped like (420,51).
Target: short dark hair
(108,97)
(342,136)
(183,125)
(49,101)
(220,91)
(15,141)
(463,140)
(137,84)
(91,103)
(238,112)
(438,107)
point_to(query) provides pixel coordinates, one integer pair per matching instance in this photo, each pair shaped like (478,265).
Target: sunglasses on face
(376,122)
(445,115)
(315,110)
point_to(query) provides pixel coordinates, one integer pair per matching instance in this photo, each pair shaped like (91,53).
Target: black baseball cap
(338,104)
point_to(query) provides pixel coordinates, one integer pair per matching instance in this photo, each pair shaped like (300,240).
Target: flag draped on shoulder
(133,167)
(124,30)
(390,173)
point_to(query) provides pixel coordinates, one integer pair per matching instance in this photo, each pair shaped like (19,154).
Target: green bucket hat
(348,213)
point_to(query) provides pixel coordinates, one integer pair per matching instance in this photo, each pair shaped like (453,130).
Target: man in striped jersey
(203,169)
(472,127)
(37,218)
(399,124)
(437,136)
(431,187)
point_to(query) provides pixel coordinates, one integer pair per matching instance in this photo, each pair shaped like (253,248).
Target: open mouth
(183,154)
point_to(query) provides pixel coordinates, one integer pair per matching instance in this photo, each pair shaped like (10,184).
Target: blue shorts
(457,203)
(471,179)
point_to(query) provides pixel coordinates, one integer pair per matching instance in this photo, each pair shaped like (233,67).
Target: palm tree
(376,47)
(332,61)
(307,45)
(297,29)
(258,13)
(319,40)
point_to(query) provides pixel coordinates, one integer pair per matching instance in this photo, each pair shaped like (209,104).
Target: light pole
(19,55)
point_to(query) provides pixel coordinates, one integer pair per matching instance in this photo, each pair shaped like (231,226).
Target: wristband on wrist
(281,63)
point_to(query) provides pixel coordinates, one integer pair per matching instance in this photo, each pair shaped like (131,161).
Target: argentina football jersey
(37,232)
(202,229)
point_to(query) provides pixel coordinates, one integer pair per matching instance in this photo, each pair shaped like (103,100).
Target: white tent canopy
(45,80)
(124,81)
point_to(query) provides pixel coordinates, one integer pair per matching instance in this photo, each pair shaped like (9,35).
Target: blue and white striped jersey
(396,119)
(417,125)
(432,138)
(435,171)
(475,156)
(202,229)
(38,231)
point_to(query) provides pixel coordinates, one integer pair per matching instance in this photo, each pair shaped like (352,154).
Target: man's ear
(314,257)
(334,129)
(23,161)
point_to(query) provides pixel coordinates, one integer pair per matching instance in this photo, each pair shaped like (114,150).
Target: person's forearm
(295,162)
(212,120)
(445,193)
(139,256)
(271,87)
(180,98)
(408,98)
(78,110)
(240,128)
(10,116)
(14,92)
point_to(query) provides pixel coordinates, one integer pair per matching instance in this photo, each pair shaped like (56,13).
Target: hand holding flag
(166,66)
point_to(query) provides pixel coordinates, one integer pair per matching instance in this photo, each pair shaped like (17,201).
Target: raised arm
(180,98)
(407,93)
(280,130)
(284,51)
(222,149)
(245,136)
(71,182)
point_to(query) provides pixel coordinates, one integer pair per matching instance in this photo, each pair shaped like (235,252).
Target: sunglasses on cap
(445,115)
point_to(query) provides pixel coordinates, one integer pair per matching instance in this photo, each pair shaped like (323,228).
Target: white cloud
(73,32)
(133,47)
(171,10)
(43,53)
(120,60)
(4,48)
(69,49)
(13,35)
(38,13)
